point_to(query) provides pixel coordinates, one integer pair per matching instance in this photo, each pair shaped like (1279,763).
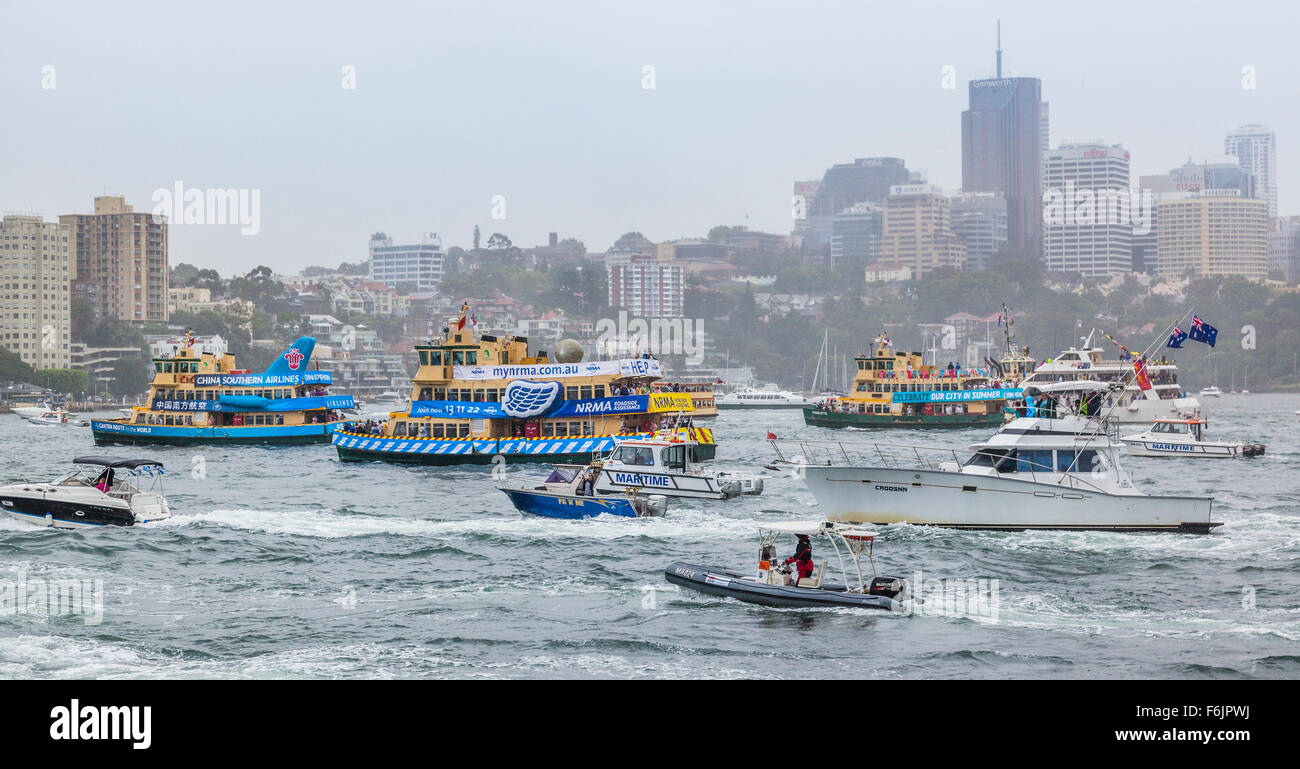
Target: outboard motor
(890,587)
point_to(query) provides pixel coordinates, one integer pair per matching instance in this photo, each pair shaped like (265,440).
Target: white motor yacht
(1051,470)
(96,493)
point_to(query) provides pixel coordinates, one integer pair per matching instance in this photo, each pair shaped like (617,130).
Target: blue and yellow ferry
(202,398)
(476,397)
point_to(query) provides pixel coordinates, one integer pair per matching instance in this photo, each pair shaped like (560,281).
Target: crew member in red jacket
(802,558)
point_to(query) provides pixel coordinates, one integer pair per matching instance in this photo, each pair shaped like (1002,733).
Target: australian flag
(1202,331)
(1177,338)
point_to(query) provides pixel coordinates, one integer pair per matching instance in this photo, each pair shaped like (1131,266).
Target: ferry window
(279,419)
(598,391)
(440,393)
(494,395)
(139,419)
(548,429)
(478,396)
(158,367)
(587,428)
(575,428)
(426,394)
(463,430)
(437,430)
(424,357)
(561,428)
(571,393)
(1033,460)
(458,358)
(471,357)
(586,392)
(400,429)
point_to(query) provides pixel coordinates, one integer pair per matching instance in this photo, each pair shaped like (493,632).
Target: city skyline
(418,146)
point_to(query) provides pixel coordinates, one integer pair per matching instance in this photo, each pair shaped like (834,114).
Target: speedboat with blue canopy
(99,491)
(198,396)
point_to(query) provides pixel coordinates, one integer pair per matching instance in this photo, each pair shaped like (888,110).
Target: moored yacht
(1212,391)
(1052,470)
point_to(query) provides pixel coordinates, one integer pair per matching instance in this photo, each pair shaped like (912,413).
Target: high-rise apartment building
(647,286)
(123,253)
(917,230)
(418,266)
(35,291)
(1284,249)
(1087,225)
(1255,148)
(1212,235)
(979,220)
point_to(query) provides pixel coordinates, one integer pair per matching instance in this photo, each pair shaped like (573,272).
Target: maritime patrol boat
(773,584)
(476,397)
(1185,438)
(96,493)
(662,465)
(202,398)
(893,388)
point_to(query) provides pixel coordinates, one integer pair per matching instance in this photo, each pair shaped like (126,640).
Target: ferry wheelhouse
(893,388)
(477,396)
(200,397)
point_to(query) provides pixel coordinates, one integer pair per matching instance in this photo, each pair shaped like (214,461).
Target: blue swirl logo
(525,399)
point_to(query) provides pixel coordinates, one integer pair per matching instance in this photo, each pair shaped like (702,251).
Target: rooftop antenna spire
(999,49)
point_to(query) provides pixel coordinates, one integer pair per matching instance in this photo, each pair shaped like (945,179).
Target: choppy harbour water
(284,562)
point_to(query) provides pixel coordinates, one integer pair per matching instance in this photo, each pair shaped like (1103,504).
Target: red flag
(1144,379)
(771,436)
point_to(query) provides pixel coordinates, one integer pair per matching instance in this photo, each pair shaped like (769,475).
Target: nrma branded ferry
(476,397)
(202,398)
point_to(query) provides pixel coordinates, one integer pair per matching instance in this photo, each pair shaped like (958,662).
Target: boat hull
(731,584)
(110,433)
(722,406)
(880,495)
(549,505)
(822,418)
(41,511)
(356,447)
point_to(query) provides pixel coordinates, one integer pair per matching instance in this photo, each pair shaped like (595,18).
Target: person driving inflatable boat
(802,558)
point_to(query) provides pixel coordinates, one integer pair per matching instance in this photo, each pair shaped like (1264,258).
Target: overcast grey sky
(543,103)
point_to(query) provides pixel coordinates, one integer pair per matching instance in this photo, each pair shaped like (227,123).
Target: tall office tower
(979,220)
(1087,227)
(1212,235)
(35,284)
(1255,146)
(123,253)
(865,180)
(417,267)
(855,237)
(1001,136)
(917,230)
(1044,131)
(647,286)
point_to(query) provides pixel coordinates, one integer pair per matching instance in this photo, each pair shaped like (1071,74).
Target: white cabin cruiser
(96,493)
(55,417)
(1052,470)
(663,466)
(1185,438)
(1212,391)
(1165,399)
(27,412)
(750,398)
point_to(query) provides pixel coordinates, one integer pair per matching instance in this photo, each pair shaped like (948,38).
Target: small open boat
(566,493)
(773,585)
